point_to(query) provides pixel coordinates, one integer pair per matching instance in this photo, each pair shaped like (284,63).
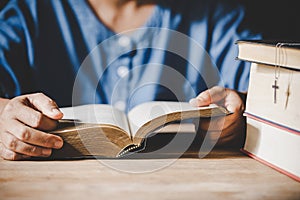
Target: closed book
(284,54)
(272,106)
(278,102)
(273,145)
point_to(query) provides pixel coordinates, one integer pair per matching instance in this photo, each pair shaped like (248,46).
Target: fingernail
(58,144)
(194,102)
(55,111)
(46,152)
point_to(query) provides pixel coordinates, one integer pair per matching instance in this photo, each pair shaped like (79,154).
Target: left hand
(229,131)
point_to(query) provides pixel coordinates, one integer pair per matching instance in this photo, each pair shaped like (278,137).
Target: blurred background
(277,20)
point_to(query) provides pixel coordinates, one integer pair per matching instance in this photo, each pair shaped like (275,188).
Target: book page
(273,145)
(278,102)
(146,112)
(97,114)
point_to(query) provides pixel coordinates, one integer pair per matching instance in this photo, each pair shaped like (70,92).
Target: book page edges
(158,122)
(293,176)
(272,123)
(102,140)
(266,54)
(276,146)
(260,98)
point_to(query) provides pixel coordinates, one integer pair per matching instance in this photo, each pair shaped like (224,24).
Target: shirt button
(124,41)
(122,71)
(120,105)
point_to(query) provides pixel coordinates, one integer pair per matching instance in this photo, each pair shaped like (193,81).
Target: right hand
(226,131)
(22,122)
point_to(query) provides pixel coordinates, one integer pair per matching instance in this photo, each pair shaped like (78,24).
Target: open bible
(102,130)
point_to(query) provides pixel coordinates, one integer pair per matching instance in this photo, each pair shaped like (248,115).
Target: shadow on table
(161,146)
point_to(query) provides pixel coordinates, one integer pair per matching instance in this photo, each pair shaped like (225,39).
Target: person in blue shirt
(120,52)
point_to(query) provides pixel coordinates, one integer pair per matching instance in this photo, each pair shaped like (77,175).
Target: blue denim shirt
(62,49)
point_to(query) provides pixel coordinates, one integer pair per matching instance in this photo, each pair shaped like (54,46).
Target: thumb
(212,95)
(45,105)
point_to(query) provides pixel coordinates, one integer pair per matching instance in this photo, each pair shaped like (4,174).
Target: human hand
(226,131)
(22,122)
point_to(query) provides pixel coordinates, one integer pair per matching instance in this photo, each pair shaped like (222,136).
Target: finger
(233,136)
(219,138)
(212,95)
(218,123)
(234,103)
(214,136)
(46,105)
(30,116)
(14,144)
(33,136)
(212,124)
(10,155)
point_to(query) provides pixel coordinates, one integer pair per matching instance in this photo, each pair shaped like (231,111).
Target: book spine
(293,176)
(272,123)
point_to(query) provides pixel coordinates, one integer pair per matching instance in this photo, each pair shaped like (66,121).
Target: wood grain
(220,175)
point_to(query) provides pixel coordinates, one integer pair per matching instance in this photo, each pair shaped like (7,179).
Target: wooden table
(220,175)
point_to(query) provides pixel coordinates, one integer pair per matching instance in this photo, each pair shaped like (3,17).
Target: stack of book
(272,106)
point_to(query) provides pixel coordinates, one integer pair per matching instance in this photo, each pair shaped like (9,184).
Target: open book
(102,130)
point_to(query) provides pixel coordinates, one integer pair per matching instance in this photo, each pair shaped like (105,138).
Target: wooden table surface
(220,175)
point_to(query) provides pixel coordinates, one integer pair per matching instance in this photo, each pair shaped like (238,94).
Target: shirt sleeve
(227,27)
(16,48)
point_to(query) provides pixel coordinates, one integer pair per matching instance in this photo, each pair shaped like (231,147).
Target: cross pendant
(287,96)
(276,87)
